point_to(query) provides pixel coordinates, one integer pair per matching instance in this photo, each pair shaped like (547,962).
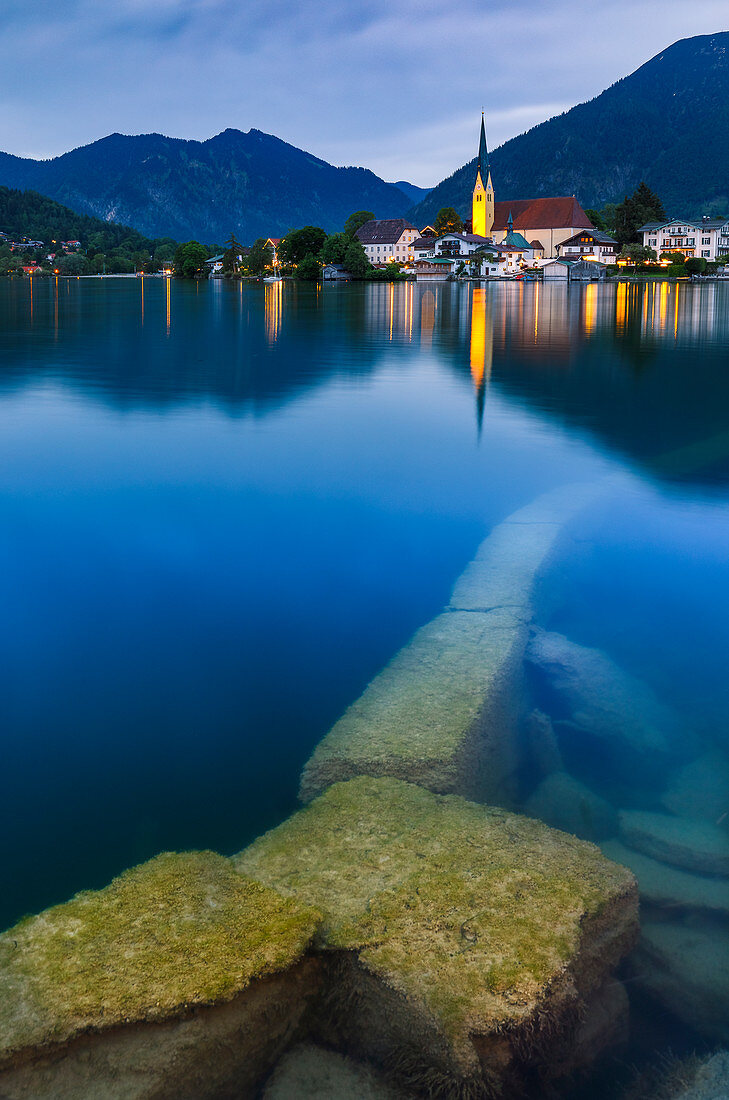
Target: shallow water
(224,508)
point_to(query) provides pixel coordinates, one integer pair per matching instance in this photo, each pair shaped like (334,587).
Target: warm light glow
(621,307)
(427,317)
(590,307)
(662,306)
(482,337)
(273,303)
(168,286)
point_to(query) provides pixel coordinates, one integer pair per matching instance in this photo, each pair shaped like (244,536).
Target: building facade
(589,244)
(388,239)
(705,237)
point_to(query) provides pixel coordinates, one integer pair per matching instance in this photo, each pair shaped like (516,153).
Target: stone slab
(691,844)
(311,1072)
(164,939)
(565,803)
(442,714)
(700,789)
(686,968)
(466,931)
(668,887)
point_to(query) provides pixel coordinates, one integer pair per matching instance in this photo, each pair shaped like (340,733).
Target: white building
(703,237)
(589,244)
(388,239)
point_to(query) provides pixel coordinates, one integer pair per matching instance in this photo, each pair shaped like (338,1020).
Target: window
(690,241)
(653,242)
(706,252)
(706,240)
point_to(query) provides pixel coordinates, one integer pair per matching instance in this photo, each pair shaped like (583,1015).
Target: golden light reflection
(427,317)
(675,315)
(590,308)
(141,286)
(663,306)
(273,301)
(411,292)
(55,307)
(31,299)
(536,311)
(621,307)
(392,307)
(168,284)
(482,348)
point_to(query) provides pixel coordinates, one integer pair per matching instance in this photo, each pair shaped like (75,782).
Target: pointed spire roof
(483,153)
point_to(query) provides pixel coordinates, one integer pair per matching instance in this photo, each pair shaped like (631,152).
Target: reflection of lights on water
(536,311)
(392,306)
(482,337)
(273,302)
(141,284)
(427,317)
(675,315)
(621,307)
(590,307)
(168,285)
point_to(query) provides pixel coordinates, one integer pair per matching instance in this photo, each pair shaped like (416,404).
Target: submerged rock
(310,1072)
(463,942)
(694,845)
(621,715)
(666,886)
(190,977)
(541,745)
(565,803)
(700,789)
(710,1080)
(686,968)
(443,713)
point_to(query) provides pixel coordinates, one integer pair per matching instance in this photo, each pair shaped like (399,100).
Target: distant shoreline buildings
(502,237)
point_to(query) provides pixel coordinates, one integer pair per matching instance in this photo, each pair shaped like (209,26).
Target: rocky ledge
(466,948)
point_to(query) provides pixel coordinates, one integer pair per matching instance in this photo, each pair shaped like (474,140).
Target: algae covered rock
(693,845)
(565,803)
(153,948)
(626,722)
(710,1079)
(669,887)
(462,940)
(442,714)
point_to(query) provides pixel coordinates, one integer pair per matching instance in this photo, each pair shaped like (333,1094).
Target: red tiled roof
(559,213)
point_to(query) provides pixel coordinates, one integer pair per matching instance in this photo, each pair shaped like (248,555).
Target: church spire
(482,204)
(483,153)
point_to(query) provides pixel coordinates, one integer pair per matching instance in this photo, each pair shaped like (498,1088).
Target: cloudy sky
(395,85)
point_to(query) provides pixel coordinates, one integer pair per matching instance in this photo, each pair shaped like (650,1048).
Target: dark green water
(223,509)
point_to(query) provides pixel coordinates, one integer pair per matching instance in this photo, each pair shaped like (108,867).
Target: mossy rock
(480,922)
(180,931)
(442,714)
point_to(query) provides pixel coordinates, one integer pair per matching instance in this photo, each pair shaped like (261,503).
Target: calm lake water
(223,509)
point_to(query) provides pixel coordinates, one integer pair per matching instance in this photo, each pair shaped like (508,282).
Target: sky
(394,85)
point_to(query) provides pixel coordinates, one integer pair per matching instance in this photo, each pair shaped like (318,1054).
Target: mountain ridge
(252,184)
(666,123)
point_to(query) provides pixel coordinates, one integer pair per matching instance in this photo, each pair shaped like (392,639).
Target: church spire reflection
(482,348)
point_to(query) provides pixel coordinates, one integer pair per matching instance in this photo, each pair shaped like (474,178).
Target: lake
(225,507)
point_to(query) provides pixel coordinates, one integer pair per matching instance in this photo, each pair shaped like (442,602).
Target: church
(544,223)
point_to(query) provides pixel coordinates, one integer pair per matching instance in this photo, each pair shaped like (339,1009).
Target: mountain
(251,184)
(28,214)
(667,123)
(413,192)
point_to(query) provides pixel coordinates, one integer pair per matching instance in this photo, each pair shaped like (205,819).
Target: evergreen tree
(334,248)
(357,220)
(233,250)
(635,210)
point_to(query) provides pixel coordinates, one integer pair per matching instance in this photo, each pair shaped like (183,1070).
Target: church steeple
(482,205)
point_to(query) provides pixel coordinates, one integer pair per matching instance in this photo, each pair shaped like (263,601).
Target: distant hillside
(667,123)
(28,214)
(251,184)
(413,192)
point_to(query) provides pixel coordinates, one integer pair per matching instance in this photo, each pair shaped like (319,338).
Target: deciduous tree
(357,220)
(448,220)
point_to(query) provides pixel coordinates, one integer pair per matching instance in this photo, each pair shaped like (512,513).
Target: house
(556,269)
(589,244)
(388,239)
(215,265)
(704,237)
(335,273)
(70,244)
(273,243)
(434,268)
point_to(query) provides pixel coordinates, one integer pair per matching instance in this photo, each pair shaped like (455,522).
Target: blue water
(224,508)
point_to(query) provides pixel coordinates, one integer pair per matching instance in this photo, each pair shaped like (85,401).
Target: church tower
(482,205)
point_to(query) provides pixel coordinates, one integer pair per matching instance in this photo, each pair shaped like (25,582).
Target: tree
(356,221)
(73,264)
(190,259)
(636,253)
(674,258)
(300,243)
(334,248)
(635,210)
(597,219)
(695,265)
(309,268)
(258,259)
(355,260)
(448,221)
(233,250)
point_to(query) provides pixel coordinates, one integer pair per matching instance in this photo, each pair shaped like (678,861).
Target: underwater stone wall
(466,949)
